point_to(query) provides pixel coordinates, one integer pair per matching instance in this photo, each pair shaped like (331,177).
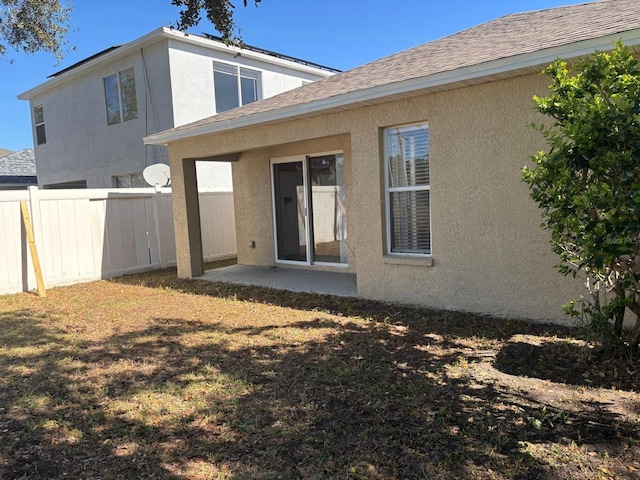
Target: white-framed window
(234,86)
(38,121)
(407,189)
(129,180)
(120,96)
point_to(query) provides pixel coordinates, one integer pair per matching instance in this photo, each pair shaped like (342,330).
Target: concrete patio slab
(293,279)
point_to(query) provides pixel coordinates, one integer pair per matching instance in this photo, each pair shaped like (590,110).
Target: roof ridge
(557,7)
(482,24)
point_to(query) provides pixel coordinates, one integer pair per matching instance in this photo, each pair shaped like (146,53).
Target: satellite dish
(157,174)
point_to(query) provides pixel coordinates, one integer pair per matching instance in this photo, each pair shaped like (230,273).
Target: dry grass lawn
(154,377)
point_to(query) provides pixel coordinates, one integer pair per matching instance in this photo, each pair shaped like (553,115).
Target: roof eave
(144,41)
(508,66)
(247,53)
(164,33)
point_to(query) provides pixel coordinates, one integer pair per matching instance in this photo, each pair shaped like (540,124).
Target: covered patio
(341,284)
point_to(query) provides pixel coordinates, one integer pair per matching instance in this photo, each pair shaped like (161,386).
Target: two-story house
(89,119)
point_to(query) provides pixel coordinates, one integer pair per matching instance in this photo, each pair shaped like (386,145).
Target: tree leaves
(41,25)
(33,25)
(588,184)
(218,12)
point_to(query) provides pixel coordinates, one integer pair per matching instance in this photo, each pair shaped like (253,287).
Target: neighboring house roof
(4,152)
(512,45)
(18,168)
(110,54)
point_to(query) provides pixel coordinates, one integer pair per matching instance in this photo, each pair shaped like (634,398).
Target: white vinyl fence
(88,234)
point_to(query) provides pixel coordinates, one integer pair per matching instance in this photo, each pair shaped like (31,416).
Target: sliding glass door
(290,210)
(310,210)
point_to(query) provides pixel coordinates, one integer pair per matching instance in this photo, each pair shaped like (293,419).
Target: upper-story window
(38,121)
(234,86)
(120,96)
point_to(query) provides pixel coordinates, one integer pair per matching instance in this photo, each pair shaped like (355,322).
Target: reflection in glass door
(290,209)
(310,209)
(326,176)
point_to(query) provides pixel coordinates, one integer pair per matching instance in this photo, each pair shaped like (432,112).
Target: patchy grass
(154,377)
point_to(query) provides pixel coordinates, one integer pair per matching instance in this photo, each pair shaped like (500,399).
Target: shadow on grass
(447,322)
(21,328)
(555,361)
(559,360)
(378,400)
(567,362)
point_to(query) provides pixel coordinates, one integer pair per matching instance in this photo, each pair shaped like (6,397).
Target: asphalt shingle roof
(505,37)
(18,168)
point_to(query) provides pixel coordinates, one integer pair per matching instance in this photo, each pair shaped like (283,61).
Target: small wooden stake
(26,218)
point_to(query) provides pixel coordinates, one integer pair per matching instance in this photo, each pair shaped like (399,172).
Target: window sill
(426,261)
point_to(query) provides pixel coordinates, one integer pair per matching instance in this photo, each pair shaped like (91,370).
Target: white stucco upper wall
(80,145)
(191,66)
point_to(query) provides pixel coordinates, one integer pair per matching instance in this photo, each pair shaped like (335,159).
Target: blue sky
(338,33)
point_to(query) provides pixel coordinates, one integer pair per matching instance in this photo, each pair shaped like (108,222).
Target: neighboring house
(405,171)
(89,119)
(17,169)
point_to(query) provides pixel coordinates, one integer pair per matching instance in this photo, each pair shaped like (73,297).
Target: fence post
(157,197)
(28,226)
(36,222)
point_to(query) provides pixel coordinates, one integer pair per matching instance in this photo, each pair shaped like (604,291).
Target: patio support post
(186,217)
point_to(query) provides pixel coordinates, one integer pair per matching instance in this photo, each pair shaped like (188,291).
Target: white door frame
(302,159)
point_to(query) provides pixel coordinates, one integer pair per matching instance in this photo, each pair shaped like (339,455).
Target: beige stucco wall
(489,253)
(253,195)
